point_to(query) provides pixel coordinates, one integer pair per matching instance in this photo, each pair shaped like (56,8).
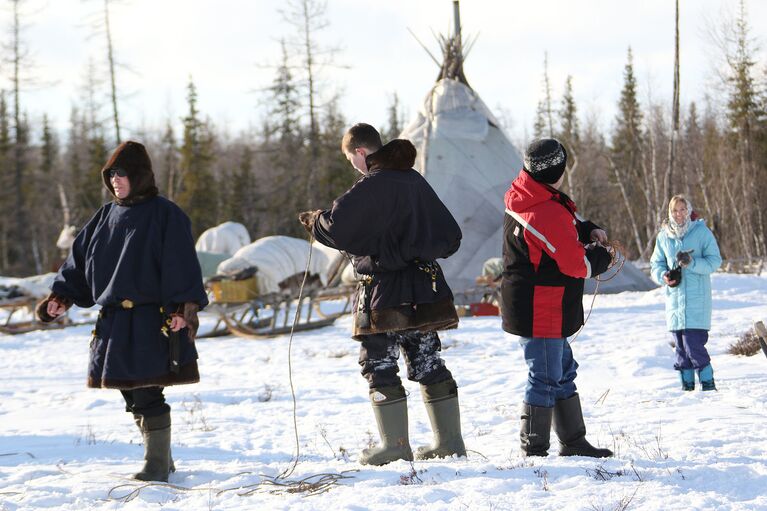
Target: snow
(64,447)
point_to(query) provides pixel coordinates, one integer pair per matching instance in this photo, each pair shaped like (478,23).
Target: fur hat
(545,160)
(134,159)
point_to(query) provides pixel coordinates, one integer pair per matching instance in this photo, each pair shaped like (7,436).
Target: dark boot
(536,430)
(137,420)
(390,409)
(706,377)
(568,423)
(441,401)
(688,379)
(156,432)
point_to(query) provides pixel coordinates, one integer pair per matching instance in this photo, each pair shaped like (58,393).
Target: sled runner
(272,314)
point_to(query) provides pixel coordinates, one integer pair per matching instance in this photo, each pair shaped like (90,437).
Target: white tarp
(37,286)
(226,238)
(277,258)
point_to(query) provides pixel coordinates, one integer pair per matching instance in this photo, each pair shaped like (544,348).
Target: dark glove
(684,259)
(41,310)
(674,277)
(192,321)
(599,258)
(307,218)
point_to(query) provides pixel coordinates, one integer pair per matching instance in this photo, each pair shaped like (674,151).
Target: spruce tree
(198,195)
(625,156)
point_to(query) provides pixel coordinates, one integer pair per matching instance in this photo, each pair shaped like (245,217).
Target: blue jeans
(690,345)
(551,370)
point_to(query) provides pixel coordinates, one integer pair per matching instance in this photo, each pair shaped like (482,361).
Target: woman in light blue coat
(685,256)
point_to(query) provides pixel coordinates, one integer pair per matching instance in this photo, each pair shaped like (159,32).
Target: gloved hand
(599,259)
(307,218)
(52,307)
(684,259)
(192,321)
(673,277)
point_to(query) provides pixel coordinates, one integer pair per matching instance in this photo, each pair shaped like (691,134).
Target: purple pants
(691,350)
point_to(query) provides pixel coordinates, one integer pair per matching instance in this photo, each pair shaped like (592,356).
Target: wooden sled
(26,304)
(273,314)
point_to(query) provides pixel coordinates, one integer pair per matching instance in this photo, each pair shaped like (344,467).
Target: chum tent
(465,156)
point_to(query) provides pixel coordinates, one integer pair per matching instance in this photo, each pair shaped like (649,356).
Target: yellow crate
(235,290)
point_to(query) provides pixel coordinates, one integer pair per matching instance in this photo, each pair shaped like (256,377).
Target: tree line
(622,176)
(715,154)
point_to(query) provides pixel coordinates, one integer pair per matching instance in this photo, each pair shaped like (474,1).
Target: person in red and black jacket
(548,251)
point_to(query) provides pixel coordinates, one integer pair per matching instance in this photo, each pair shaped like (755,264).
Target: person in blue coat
(685,256)
(136,259)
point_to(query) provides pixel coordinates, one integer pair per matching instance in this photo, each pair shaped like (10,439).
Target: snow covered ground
(64,447)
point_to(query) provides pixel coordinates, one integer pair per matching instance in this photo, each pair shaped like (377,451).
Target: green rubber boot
(156,432)
(137,420)
(441,401)
(390,409)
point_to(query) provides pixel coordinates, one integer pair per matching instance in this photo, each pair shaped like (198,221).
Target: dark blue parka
(138,252)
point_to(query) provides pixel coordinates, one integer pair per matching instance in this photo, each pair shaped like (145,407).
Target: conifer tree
(625,155)
(394,125)
(6,180)
(746,123)
(198,195)
(569,135)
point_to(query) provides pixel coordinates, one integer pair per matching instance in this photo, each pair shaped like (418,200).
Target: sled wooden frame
(272,314)
(14,305)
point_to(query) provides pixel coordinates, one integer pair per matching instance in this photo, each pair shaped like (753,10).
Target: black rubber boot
(536,430)
(137,420)
(441,401)
(390,409)
(156,432)
(568,423)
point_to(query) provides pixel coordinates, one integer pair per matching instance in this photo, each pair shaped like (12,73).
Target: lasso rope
(310,485)
(615,249)
(287,472)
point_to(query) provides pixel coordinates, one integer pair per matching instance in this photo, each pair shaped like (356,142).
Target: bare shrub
(747,344)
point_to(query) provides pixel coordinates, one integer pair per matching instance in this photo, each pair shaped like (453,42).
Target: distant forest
(620,177)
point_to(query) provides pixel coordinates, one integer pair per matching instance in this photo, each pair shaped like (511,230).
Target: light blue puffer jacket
(689,304)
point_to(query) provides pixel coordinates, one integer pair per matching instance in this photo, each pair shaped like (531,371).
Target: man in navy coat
(136,259)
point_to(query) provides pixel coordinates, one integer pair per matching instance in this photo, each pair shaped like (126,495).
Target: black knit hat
(545,160)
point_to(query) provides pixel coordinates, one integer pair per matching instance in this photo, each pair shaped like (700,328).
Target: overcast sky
(224,44)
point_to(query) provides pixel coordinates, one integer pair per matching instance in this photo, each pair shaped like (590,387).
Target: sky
(227,46)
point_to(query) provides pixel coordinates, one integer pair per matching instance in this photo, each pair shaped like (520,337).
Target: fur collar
(399,154)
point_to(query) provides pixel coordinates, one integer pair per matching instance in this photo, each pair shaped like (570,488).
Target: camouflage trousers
(379,354)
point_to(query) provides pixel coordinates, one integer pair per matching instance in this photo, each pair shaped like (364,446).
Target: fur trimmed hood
(134,159)
(399,154)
